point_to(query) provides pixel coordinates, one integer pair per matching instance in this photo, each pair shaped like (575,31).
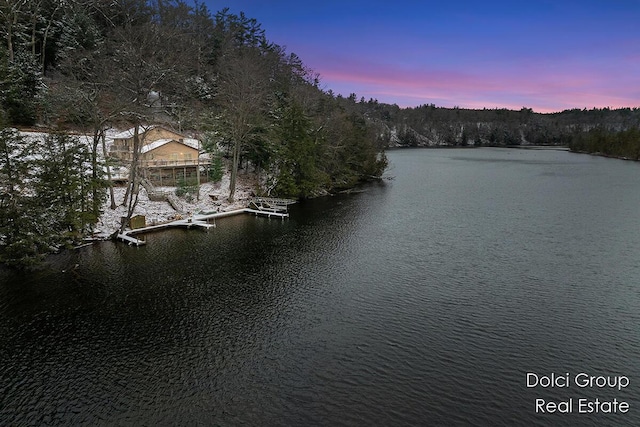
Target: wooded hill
(89,65)
(429,126)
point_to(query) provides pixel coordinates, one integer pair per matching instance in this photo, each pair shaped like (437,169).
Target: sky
(539,54)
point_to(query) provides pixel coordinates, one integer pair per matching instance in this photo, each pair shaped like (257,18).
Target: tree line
(86,66)
(429,126)
(622,144)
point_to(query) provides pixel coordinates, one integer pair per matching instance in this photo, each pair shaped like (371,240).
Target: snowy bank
(213,198)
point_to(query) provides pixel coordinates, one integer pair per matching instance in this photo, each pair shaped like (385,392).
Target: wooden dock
(267,213)
(261,206)
(270,204)
(130,240)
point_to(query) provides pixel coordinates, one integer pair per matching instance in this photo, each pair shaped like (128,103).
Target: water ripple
(423,301)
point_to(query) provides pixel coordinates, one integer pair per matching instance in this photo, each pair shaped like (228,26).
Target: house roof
(142,130)
(191,143)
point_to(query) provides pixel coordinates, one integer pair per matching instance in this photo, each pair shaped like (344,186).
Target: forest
(623,144)
(431,126)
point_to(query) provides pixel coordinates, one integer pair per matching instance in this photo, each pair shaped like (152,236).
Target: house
(166,157)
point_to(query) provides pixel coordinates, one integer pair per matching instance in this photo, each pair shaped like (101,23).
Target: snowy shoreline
(212,196)
(161,211)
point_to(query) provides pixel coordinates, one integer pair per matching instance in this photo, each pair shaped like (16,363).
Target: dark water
(424,300)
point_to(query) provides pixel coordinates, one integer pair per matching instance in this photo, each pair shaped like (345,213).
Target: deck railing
(173,163)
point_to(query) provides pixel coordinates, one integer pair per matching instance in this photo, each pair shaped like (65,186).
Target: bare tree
(147,58)
(10,13)
(244,88)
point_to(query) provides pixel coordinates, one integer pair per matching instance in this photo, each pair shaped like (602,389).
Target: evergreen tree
(65,186)
(298,172)
(20,87)
(22,236)
(46,191)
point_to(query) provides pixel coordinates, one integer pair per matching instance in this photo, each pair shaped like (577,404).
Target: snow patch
(158,212)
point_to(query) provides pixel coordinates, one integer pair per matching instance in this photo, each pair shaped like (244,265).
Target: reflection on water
(424,300)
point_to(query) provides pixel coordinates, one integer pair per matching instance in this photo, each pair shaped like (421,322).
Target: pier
(266,213)
(269,204)
(130,240)
(259,206)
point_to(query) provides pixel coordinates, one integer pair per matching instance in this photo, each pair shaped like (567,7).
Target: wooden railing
(173,163)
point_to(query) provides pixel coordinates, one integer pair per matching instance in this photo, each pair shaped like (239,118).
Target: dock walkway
(270,204)
(265,207)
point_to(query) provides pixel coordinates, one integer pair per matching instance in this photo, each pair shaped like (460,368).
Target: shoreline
(212,198)
(194,221)
(450,147)
(610,156)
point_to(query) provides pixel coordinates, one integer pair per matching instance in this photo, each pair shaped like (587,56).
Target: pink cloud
(543,86)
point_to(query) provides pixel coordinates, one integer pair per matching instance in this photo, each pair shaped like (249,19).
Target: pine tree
(21,239)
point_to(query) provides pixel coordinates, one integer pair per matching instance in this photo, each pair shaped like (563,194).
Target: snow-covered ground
(156,211)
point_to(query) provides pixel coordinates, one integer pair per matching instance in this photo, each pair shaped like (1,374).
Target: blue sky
(545,55)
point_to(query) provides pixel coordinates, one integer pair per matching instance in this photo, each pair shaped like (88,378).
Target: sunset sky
(545,55)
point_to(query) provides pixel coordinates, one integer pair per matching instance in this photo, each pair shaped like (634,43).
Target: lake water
(423,300)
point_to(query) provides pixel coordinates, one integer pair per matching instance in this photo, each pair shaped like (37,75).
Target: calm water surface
(424,300)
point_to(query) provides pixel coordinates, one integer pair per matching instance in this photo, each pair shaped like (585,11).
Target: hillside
(429,126)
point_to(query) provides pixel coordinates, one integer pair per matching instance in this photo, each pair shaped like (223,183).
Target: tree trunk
(234,171)
(104,152)
(10,40)
(133,182)
(33,34)
(96,202)
(44,47)
(198,172)
(132,168)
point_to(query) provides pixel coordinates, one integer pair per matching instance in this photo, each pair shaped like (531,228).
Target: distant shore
(524,147)
(599,154)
